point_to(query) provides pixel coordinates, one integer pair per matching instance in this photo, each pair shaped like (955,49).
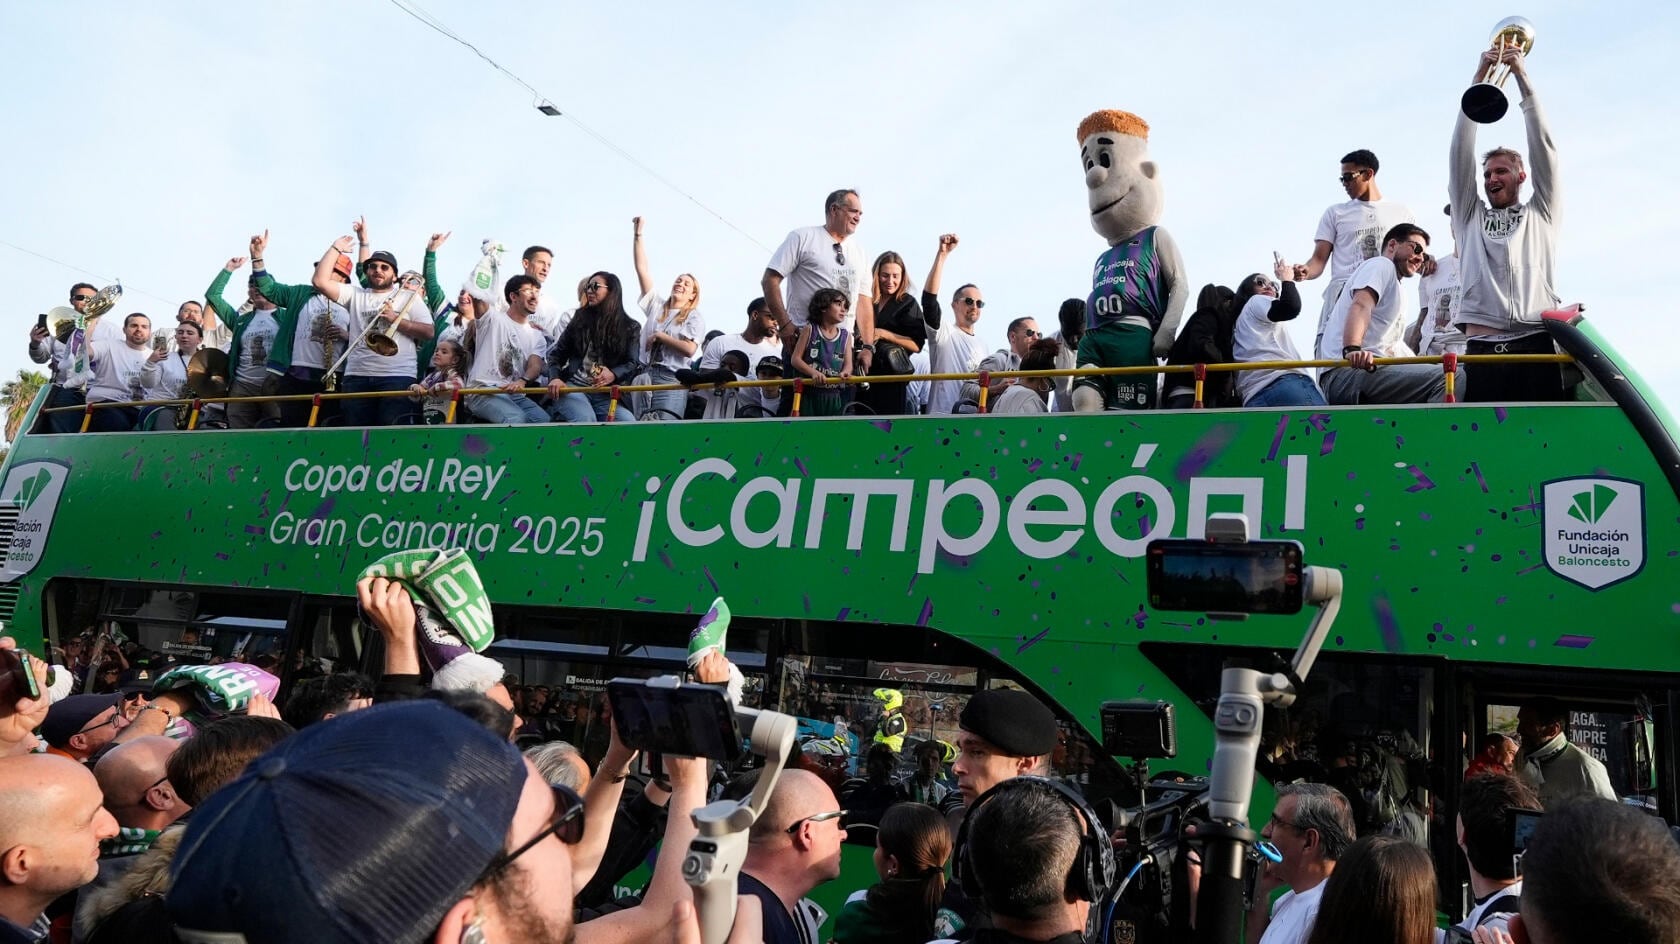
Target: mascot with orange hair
(1138,289)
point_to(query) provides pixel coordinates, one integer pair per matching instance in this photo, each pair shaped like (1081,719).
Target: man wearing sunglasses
(78,726)
(793,848)
(1367,323)
(816,257)
(1350,232)
(44,348)
(367,371)
(1021,334)
(953,347)
(474,845)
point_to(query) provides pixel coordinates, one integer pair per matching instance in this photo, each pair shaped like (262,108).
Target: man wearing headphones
(1003,733)
(1035,856)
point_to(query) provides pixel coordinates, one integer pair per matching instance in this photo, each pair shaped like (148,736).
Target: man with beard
(368,371)
(477,844)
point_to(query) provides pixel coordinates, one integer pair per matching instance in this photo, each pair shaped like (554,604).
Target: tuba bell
(1485,102)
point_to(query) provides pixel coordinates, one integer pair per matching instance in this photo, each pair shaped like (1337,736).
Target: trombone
(379,334)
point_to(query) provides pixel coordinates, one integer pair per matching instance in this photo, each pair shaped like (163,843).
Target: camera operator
(1596,870)
(1311,825)
(1036,858)
(1484,833)
(1003,733)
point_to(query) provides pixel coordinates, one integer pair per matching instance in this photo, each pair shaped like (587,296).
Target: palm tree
(16,396)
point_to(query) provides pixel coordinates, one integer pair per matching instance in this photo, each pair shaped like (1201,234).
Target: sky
(147,142)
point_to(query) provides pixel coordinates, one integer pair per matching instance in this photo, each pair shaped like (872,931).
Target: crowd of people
(402,809)
(831,314)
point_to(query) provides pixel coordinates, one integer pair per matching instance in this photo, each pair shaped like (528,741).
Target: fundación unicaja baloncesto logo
(1594,530)
(34,487)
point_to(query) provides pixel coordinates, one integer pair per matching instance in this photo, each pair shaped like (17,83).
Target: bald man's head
(798,794)
(51,823)
(135,781)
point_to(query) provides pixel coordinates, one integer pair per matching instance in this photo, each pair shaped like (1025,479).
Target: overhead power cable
(546,106)
(127,289)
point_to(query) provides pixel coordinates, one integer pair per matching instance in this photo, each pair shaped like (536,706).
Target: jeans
(382,411)
(676,401)
(1291,389)
(587,408)
(1392,383)
(114,419)
(506,409)
(69,421)
(295,413)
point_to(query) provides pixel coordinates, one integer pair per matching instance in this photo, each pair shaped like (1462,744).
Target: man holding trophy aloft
(1507,248)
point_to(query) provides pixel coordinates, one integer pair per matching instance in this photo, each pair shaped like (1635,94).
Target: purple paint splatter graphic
(587,488)
(710,579)
(884,426)
(1388,627)
(1035,465)
(927,612)
(1424,483)
(1206,449)
(800,465)
(840,617)
(1029,643)
(1078,457)
(475,445)
(1499,414)
(1277,437)
(1570,641)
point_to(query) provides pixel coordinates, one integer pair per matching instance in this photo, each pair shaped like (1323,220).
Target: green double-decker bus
(1490,554)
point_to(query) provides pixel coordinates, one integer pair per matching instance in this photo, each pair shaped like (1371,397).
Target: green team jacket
(230,315)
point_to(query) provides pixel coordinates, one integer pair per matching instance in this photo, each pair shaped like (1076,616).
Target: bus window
(1363,724)
(1619,734)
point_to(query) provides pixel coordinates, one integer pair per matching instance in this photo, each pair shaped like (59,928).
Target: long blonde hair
(686,310)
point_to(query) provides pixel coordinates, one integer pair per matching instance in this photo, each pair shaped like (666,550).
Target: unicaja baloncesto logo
(1594,530)
(34,487)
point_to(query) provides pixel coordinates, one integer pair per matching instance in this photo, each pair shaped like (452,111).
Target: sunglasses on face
(1417,250)
(378,265)
(81,298)
(567,826)
(1030,333)
(817,818)
(972,302)
(594,287)
(1350,178)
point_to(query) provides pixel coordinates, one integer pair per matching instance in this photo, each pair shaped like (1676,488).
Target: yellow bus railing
(615,392)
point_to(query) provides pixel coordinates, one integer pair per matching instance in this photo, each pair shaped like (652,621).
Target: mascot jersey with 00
(1138,289)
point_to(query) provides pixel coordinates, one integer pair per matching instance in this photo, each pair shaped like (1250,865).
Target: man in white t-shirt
(1366,324)
(1350,233)
(1438,293)
(1311,825)
(953,347)
(368,371)
(757,341)
(551,316)
(826,256)
(508,353)
(122,370)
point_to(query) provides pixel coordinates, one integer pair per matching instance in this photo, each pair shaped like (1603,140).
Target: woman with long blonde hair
(900,331)
(671,335)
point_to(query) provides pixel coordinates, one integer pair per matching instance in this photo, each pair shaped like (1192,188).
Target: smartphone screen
(1203,577)
(41,321)
(690,721)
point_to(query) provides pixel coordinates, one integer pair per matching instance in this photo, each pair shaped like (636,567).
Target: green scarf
(453,621)
(128,841)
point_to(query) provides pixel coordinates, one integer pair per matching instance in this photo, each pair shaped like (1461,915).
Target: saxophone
(329,349)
